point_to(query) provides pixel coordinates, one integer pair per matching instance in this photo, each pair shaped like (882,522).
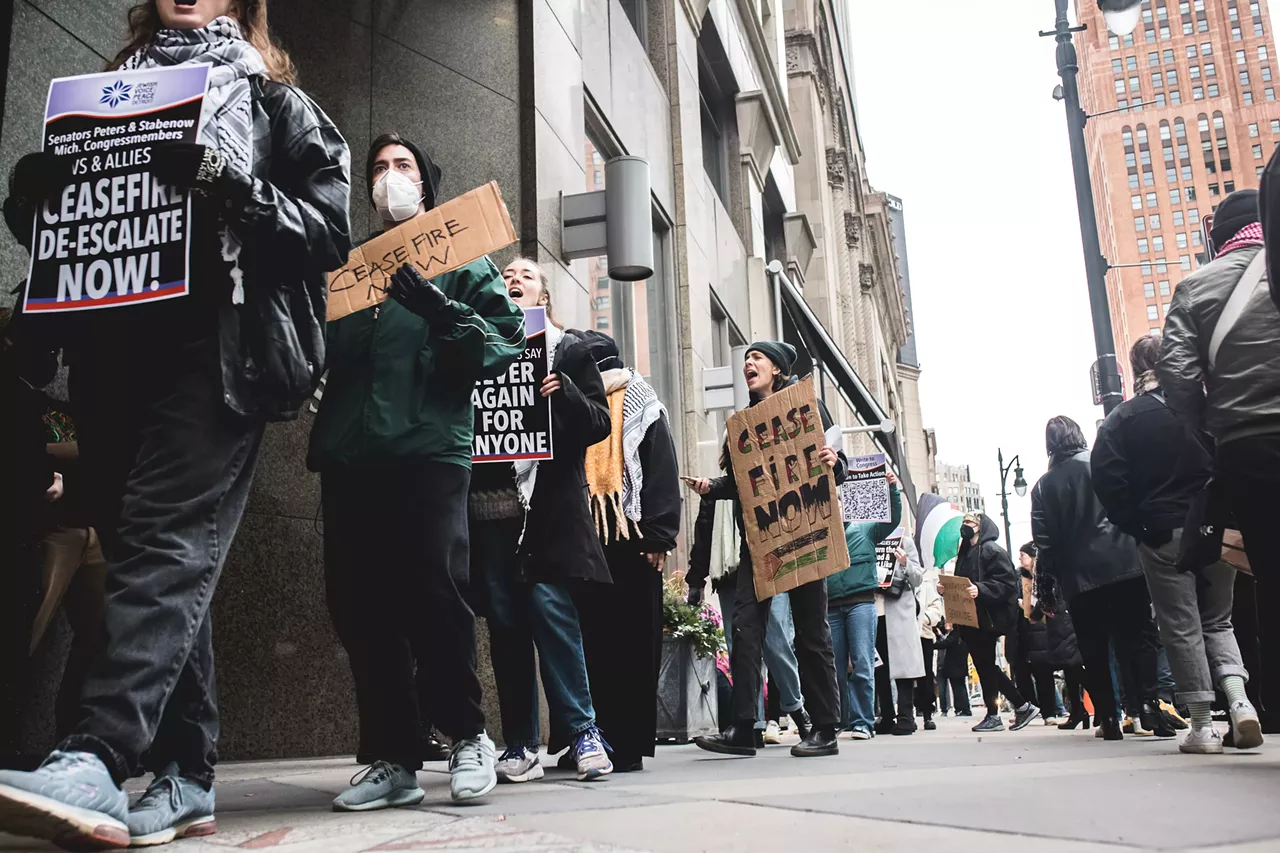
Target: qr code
(865,500)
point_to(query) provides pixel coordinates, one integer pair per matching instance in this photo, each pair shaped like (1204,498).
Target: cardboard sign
(789,498)
(961,609)
(115,235)
(887,557)
(865,495)
(442,239)
(513,420)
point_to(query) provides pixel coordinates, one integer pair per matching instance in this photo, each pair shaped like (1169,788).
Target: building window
(1160,99)
(1195,235)
(1213,90)
(1241,59)
(1113,42)
(1248,98)
(1271,94)
(637,13)
(1139,223)
(1152,201)
(1130,159)
(1146,268)
(1157,243)
(1275,125)
(1181,240)
(1135,84)
(1133,180)
(1214,191)
(1153,313)
(1197,93)
(719,113)
(1253,130)
(1153,59)
(1257,152)
(1235,34)
(1228,187)
(1186,173)
(1177,219)
(1191,51)
(1266,74)
(1164,287)
(1262,52)
(1142,245)
(1165,309)
(1175,196)
(1244,78)
(1193,216)
(1148,289)
(1191,193)
(1206,49)
(1155,222)
(1135,201)
(1185,262)
(1210,69)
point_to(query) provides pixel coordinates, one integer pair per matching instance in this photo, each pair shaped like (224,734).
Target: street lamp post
(1019,486)
(1109,384)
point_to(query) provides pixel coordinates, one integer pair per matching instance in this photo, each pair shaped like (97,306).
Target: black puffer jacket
(1076,544)
(1051,640)
(988,567)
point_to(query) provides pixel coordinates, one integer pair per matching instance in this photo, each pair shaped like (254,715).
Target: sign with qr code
(790,509)
(865,495)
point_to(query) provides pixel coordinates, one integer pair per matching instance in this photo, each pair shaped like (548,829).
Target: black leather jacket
(291,215)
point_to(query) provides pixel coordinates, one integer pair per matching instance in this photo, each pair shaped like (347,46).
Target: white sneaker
(773,733)
(1202,742)
(518,764)
(1246,730)
(471,768)
(590,754)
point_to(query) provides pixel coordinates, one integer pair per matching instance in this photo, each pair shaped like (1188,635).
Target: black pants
(814,656)
(622,640)
(1016,652)
(952,689)
(19,602)
(884,693)
(1074,678)
(170,467)
(982,648)
(395,537)
(1119,614)
(927,687)
(1250,467)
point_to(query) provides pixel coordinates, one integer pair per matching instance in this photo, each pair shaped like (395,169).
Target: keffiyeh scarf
(615,474)
(226,119)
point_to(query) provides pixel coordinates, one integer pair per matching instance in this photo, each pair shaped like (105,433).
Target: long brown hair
(545,281)
(144,23)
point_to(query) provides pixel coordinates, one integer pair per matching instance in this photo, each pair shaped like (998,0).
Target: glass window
(1241,59)
(1257,28)
(1244,78)
(1275,125)
(1153,59)
(1253,129)
(1164,33)
(1184,261)
(1262,52)
(1157,243)
(1248,98)
(1178,218)
(1210,69)
(1171,175)
(1135,202)
(1175,97)
(1171,76)
(1229,187)
(1197,93)
(1206,49)
(1148,178)
(1266,74)
(1152,201)
(1157,80)
(1271,94)
(1175,196)
(1236,34)
(1191,193)
(1186,173)
(1181,240)
(1153,313)
(1135,85)
(1113,42)
(1214,191)
(1142,245)
(1139,223)
(1130,160)
(1213,90)
(1202,25)
(1148,289)
(1191,51)
(1133,180)
(1146,268)
(1160,99)
(1131,62)
(1257,152)
(1168,57)
(1155,222)
(1165,308)
(1195,235)
(1164,287)
(1161,266)
(1193,215)
(1195,72)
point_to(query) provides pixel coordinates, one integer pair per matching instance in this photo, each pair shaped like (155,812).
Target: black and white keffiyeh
(640,410)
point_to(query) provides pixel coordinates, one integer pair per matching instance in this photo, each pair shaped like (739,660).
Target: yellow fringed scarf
(604,476)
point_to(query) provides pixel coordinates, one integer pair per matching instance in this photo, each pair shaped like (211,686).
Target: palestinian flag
(937,531)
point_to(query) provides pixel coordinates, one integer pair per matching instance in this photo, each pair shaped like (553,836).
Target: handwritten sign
(961,609)
(887,557)
(115,235)
(790,508)
(442,239)
(513,419)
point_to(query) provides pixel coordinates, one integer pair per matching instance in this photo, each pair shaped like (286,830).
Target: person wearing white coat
(898,641)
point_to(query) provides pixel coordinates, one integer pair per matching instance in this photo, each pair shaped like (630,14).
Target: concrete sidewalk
(948,791)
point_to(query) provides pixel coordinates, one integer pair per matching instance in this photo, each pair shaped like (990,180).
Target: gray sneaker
(70,800)
(591,754)
(383,786)
(1246,730)
(518,764)
(172,807)
(471,768)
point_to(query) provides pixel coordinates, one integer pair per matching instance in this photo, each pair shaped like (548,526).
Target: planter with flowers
(692,639)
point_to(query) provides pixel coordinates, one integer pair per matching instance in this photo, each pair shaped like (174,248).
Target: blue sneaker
(171,808)
(70,800)
(383,786)
(591,755)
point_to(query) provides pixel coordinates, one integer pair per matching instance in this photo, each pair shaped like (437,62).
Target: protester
(1098,572)
(953,673)
(634,482)
(1147,468)
(767,368)
(1042,646)
(1218,371)
(171,401)
(535,548)
(1053,648)
(932,616)
(852,615)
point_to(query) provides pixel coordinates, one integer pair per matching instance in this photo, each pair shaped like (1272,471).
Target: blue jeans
(853,640)
(520,615)
(779,646)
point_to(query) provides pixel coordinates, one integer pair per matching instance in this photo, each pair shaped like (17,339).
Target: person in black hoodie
(993,583)
(767,368)
(1147,467)
(1097,569)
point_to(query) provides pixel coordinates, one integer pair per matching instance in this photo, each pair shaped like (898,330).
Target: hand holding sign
(958,596)
(551,384)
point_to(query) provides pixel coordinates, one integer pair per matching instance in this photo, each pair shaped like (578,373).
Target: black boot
(821,741)
(434,749)
(738,739)
(1154,721)
(1110,728)
(929,724)
(804,724)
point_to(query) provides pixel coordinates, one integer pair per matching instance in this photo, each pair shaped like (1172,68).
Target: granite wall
(444,73)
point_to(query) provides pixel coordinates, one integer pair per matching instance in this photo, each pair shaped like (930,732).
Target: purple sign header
(119,94)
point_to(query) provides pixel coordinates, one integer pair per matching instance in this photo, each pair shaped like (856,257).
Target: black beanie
(429,170)
(1236,211)
(781,353)
(1029,549)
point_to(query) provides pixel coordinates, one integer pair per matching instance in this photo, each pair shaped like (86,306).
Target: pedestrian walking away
(932,616)
(172,398)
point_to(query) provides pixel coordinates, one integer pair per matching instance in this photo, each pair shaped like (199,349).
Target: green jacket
(398,390)
(861,576)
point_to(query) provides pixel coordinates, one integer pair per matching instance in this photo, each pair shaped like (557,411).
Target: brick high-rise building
(1196,119)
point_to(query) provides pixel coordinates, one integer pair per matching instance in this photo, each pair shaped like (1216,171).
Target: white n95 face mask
(396,197)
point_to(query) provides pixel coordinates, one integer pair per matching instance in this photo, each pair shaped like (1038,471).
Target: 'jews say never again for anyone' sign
(513,419)
(437,241)
(114,235)
(790,505)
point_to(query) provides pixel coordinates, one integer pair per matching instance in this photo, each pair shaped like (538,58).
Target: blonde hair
(144,23)
(545,283)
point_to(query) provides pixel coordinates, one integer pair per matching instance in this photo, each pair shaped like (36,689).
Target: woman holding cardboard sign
(767,369)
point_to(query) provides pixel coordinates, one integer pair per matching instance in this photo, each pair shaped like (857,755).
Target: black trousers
(1250,467)
(169,466)
(1074,678)
(927,687)
(395,537)
(1119,614)
(1017,654)
(884,693)
(814,656)
(982,648)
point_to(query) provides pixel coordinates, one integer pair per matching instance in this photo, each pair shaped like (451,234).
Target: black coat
(700,553)
(1051,640)
(560,539)
(661,505)
(988,567)
(1075,543)
(1146,467)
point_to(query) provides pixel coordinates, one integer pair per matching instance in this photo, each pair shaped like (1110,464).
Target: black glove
(187,164)
(412,290)
(695,596)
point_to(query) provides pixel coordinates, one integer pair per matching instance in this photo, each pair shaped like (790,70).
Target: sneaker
(518,764)
(930,725)
(903,726)
(860,734)
(591,754)
(70,799)
(1205,741)
(1172,717)
(990,723)
(471,768)
(1054,721)
(383,785)
(173,807)
(1028,715)
(1132,726)
(773,733)
(1246,728)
